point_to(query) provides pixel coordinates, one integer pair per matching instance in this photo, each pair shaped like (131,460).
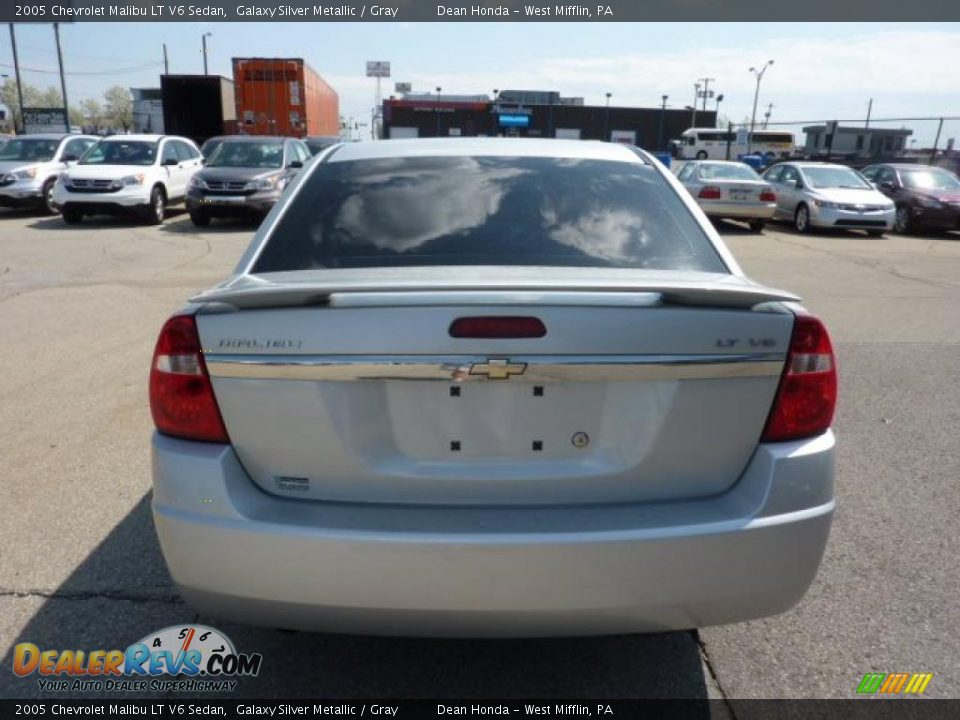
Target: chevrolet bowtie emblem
(498,369)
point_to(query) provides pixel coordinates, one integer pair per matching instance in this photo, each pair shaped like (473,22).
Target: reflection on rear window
(487,211)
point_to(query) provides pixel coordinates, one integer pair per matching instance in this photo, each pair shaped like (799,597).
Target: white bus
(711,143)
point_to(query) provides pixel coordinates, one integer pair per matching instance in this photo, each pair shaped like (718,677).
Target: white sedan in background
(729,191)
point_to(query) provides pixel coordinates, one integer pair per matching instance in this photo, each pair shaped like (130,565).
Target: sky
(821,70)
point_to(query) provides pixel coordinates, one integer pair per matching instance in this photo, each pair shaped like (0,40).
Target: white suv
(30,164)
(122,174)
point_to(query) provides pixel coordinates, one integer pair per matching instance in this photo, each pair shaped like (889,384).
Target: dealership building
(533,113)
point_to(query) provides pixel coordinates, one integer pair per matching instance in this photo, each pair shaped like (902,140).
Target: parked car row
(809,195)
(30,165)
(143,175)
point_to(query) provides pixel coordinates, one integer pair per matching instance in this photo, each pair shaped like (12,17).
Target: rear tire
(801,219)
(47,197)
(702,155)
(199,218)
(71,215)
(757,225)
(157,209)
(902,222)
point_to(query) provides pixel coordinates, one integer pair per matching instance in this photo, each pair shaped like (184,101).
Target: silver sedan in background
(816,194)
(729,191)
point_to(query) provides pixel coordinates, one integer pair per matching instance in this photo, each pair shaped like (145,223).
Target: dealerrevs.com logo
(191,658)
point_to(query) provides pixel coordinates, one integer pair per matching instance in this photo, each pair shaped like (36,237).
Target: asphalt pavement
(80,566)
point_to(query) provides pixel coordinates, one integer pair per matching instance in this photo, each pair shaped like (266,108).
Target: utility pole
(706,90)
(16,72)
(869,112)
(766,116)
(696,97)
(717,110)
(63,78)
(753,118)
(205,35)
(933,153)
(166,62)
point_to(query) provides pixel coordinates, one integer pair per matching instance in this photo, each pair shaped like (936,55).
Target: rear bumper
(240,554)
(749,211)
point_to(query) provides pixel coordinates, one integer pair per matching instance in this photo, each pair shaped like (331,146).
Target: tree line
(113,112)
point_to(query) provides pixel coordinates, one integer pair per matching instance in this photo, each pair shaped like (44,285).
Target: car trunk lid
(652,391)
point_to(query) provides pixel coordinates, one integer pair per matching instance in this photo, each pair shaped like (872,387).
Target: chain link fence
(863,141)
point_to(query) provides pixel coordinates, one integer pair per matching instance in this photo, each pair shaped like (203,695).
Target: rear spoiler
(243,295)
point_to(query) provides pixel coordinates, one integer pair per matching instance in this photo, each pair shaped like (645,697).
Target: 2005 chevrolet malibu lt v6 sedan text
(491,387)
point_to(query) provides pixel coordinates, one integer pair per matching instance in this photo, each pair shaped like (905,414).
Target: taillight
(181,396)
(497,327)
(709,193)
(807,395)
(768,196)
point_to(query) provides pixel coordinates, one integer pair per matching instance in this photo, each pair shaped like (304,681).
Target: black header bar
(477,11)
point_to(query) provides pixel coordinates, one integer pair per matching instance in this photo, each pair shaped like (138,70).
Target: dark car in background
(245,175)
(927,198)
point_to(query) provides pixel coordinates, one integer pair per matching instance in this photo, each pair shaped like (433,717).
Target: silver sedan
(824,195)
(729,191)
(491,387)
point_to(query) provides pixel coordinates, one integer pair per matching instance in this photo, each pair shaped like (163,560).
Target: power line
(72,53)
(131,69)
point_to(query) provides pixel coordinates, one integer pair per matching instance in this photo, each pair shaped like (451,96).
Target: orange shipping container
(283,96)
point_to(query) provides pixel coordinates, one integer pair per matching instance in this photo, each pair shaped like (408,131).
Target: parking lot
(81,568)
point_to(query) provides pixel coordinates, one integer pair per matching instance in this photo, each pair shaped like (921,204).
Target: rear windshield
(728,172)
(487,211)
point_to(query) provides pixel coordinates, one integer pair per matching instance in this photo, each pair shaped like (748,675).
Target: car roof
(143,138)
(807,164)
(715,162)
(43,136)
(133,138)
(910,166)
(506,147)
(250,138)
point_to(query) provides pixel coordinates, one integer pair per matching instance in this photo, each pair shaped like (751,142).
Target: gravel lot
(81,568)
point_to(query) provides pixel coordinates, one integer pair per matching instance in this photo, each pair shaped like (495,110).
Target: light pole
(663,111)
(717,111)
(438,110)
(753,117)
(606,129)
(204,40)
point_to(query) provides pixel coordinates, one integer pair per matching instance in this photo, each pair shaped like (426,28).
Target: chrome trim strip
(495,297)
(460,368)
